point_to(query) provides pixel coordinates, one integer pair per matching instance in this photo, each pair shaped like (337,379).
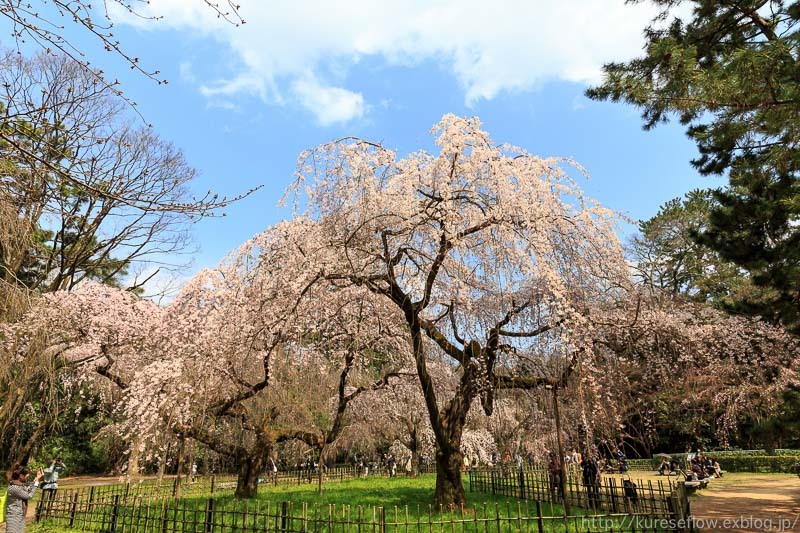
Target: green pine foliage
(730,72)
(667,256)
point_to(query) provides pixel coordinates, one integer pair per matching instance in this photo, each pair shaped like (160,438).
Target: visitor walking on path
(19,492)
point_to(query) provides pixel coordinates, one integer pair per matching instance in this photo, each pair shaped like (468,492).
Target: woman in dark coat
(19,492)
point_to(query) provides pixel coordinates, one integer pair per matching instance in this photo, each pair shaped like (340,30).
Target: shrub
(745,460)
(757,463)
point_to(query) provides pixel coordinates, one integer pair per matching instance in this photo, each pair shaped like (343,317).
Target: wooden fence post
(213,483)
(114,513)
(284,518)
(539,520)
(73,509)
(209,523)
(39,509)
(165,516)
(381,520)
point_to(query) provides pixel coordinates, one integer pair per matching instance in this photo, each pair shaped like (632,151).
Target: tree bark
(247,480)
(179,470)
(319,470)
(414,453)
(447,424)
(449,489)
(563,480)
(162,463)
(413,444)
(132,472)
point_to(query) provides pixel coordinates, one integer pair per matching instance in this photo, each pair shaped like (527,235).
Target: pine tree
(731,74)
(668,258)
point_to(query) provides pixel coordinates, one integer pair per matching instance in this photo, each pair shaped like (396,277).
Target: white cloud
(223,104)
(329,104)
(288,46)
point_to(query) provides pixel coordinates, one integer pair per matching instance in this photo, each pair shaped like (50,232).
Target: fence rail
(206,485)
(663,501)
(147,508)
(217,516)
(611,495)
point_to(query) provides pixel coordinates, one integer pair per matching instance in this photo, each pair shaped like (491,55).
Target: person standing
(50,484)
(19,492)
(622,460)
(555,471)
(50,480)
(591,481)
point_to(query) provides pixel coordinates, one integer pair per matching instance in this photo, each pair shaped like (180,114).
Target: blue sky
(243,102)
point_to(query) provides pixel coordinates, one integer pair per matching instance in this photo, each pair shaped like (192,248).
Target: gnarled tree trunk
(247,480)
(449,489)
(415,445)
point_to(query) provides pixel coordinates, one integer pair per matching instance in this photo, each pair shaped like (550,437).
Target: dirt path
(749,502)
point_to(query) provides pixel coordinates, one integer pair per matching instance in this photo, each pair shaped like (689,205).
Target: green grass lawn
(378,492)
(397,504)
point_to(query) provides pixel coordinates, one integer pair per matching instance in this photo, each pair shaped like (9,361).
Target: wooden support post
(539,520)
(114,514)
(73,510)
(284,517)
(208,526)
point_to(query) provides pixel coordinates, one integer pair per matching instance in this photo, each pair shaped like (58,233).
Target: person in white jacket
(51,475)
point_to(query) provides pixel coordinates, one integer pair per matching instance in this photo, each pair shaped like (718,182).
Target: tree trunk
(447,424)
(449,490)
(190,462)
(247,481)
(563,479)
(132,472)
(319,471)
(415,445)
(162,465)
(181,447)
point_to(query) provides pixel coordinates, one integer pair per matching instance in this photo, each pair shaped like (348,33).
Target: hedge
(758,463)
(753,453)
(731,461)
(641,464)
(718,454)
